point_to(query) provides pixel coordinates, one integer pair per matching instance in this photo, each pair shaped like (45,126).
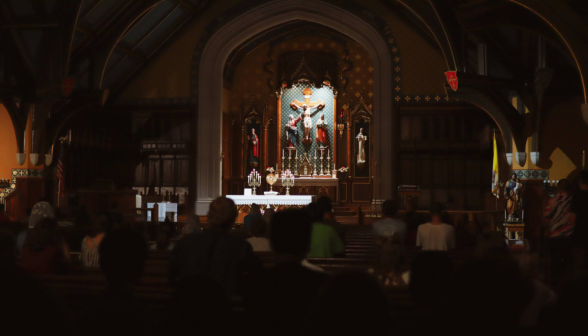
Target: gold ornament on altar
(271,178)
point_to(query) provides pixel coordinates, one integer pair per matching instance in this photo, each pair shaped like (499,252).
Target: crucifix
(307,106)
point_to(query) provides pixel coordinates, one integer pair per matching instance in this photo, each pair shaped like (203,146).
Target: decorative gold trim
(361,105)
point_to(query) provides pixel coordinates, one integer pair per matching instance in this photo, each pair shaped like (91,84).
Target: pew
(82,286)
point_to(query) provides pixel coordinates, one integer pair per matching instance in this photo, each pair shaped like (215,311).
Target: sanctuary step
(341,211)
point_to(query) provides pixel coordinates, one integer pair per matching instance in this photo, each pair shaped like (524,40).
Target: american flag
(61,170)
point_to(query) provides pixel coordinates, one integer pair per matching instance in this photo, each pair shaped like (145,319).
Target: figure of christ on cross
(307,106)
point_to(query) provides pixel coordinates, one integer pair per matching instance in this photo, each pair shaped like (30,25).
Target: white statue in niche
(361,140)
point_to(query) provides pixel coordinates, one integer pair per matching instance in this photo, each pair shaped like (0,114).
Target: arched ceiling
(105,43)
(156,23)
(101,43)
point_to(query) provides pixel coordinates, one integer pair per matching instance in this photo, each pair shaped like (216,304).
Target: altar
(244,202)
(272,200)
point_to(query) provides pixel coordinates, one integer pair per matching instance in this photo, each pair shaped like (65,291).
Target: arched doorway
(209,87)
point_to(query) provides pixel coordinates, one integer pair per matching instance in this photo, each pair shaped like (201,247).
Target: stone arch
(207,86)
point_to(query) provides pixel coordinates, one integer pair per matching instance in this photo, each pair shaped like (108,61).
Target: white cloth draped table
(272,199)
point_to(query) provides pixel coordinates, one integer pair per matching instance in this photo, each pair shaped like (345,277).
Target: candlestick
(287,181)
(328,161)
(254,180)
(315,164)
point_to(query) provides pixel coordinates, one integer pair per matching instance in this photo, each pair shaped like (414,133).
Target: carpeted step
(345,214)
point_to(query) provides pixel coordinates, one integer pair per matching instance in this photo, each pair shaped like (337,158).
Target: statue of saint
(253,147)
(361,140)
(512,193)
(321,132)
(292,131)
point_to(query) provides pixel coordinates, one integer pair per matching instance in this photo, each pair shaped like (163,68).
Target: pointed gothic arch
(208,76)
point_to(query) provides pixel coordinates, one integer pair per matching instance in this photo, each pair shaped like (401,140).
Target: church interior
(176,131)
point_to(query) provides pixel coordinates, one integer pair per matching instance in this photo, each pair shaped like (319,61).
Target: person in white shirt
(436,235)
(258,240)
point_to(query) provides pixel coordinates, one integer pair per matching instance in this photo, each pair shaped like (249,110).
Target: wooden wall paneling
(425,171)
(161,171)
(342,190)
(243,146)
(440,195)
(168,170)
(350,158)
(140,174)
(271,145)
(183,170)
(236,146)
(361,191)
(234,188)
(265,144)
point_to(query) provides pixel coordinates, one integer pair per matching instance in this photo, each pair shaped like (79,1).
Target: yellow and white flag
(495,190)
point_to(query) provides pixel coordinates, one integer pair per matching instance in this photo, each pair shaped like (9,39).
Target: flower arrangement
(270,170)
(343,169)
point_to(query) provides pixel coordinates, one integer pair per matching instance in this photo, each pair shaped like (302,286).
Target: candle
(504,213)
(282,152)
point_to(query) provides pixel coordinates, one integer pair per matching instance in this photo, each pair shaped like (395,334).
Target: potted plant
(343,172)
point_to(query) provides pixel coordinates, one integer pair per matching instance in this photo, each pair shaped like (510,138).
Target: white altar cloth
(272,199)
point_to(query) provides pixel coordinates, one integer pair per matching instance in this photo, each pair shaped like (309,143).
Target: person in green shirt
(325,242)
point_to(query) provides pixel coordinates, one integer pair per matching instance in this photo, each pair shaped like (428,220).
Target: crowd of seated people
(221,287)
